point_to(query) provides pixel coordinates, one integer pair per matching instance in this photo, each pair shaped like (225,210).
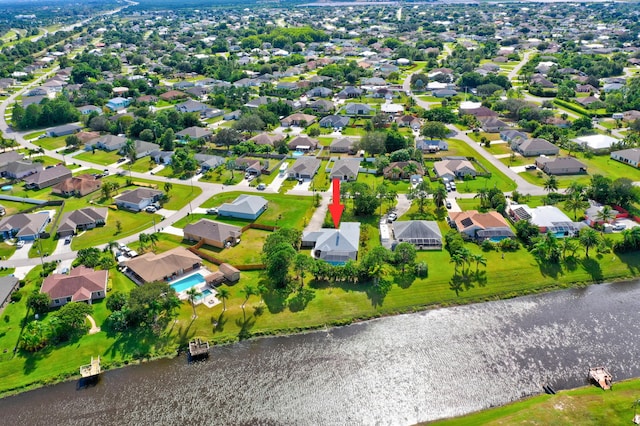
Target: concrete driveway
(23,252)
(61,247)
(454,205)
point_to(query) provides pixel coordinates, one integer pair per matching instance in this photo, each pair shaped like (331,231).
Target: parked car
(106,172)
(619,227)
(530,167)
(261,186)
(122,159)
(212,211)
(453,186)
(448,204)
(150,209)
(67,240)
(246,175)
(392,216)
(448,187)
(20,244)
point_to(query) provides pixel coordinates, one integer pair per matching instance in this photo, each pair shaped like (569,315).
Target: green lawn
(99,157)
(34,135)
(220,175)
(582,406)
(248,252)
(142,165)
(50,143)
(499,148)
(353,131)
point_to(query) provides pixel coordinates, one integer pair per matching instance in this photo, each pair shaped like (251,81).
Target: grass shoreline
(275,332)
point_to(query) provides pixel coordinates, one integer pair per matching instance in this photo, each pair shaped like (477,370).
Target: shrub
(488,245)
(16,296)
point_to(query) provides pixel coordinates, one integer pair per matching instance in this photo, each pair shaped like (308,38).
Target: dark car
(530,167)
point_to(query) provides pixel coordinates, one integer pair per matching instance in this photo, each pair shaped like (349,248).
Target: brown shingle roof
(155,267)
(78,285)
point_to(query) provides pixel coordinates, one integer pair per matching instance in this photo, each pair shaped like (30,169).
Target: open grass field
(142,165)
(98,156)
(582,406)
(50,143)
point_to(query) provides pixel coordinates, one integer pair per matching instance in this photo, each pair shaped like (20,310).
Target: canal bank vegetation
(583,406)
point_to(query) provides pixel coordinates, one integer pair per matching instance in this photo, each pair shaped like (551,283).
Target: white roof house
(335,246)
(546,218)
(597,142)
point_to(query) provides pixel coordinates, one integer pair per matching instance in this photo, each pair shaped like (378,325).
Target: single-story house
(345,169)
(561,166)
(20,169)
(481,226)
(107,143)
(534,147)
(64,130)
(454,167)
(266,139)
(432,145)
(77,186)
(319,92)
(137,199)
(424,234)
(408,121)
(81,285)
(591,215)
(144,148)
(244,207)
(478,112)
(191,106)
(9,157)
(88,109)
(321,106)
(342,145)
(355,109)
(8,285)
(349,92)
(302,143)
(597,142)
(546,218)
(118,103)
(81,220)
(402,170)
(149,99)
(334,121)
(209,161)
(24,226)
(165,266)
(251,165)
(230,273)
(212,233)
(161,157)
(444,93)
(629,156)
(305,168)
(47,177)
(336,246)
(493,124)
(171,95)
(298,119)
(233,115)
(195,133)
(511,135)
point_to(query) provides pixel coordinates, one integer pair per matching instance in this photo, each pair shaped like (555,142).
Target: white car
(150,209)
(20,244)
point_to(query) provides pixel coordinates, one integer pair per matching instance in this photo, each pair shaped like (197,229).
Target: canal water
(391,371)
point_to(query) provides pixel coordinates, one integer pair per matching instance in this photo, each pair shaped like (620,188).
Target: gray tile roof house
(80,220)
(19,169)
(7,285)
(47,177)
(335,121)
(424,234)
(213,233)
(192,106)
(195,133)
(107,143)
(10,157)
(137,199)
(493,124)
(244,207)
(64,130)
(266,139)
(144,148)
(303,142)
(345,169)
(534,147)
(322,105)
(209,161)
(510,135)
(23,226)
(161,157)
(358,109)
(305,167)
(629,156)
(561,166)
(342,145)
(335,246)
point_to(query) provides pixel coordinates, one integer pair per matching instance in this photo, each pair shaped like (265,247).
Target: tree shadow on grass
(550,269)
(275,298)
(135,342)
(219,323)
(592,267)
(31,359)
(571,263)
(245,324)
(302,298)
(632,260)
(404,280)
(465,281)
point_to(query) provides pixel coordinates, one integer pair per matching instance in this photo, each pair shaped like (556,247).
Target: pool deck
(209,301)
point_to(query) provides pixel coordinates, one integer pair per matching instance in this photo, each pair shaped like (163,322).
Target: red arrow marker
(335,207)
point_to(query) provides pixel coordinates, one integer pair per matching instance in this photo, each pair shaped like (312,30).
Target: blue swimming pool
(297,153)
(206,292)
(187,283)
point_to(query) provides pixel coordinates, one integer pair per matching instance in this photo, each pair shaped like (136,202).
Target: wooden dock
(91,370)
(198,348)
(601,376)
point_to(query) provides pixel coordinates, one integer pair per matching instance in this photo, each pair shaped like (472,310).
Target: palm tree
(575,187)
(568,245)
(483,195)
(231,165)
(223,294)
(167,187)
(248,291)
(458,260)
(110,246)
(605,214)
(153,239)
(589,238)
(411,168)
(551,184)
(193,294)
(480,260)
(143,239)
(575,202)
(439,196)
